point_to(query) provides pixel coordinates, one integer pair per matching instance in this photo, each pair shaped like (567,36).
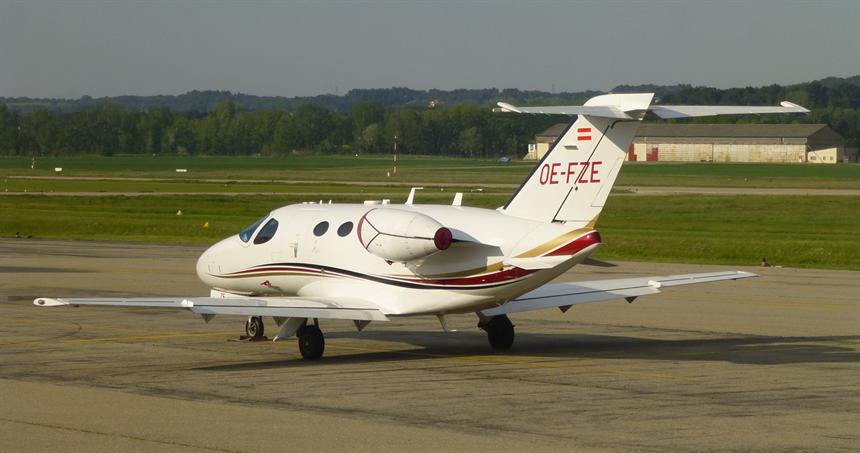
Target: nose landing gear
(254,328)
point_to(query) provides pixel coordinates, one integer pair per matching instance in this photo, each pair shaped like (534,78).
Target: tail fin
(574,178)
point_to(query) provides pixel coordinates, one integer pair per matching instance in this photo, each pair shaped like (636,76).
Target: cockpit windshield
(246,234)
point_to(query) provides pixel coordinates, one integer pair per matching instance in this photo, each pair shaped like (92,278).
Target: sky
(69,49)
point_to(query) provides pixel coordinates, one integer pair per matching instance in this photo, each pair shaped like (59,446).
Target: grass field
(194,186)
(319,168)
(792,231)
(425,170)
(819,232)
(806,176)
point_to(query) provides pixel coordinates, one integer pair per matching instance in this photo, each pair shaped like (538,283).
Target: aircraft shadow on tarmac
(751,350)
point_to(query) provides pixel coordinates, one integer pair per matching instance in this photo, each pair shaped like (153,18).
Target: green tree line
(467,131)
(370,127)
(390,98)
(835,102)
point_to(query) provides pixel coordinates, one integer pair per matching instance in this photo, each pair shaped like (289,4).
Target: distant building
(543,141)
(784,143)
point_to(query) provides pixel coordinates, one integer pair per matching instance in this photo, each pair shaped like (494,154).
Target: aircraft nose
(208,265)
(204,265)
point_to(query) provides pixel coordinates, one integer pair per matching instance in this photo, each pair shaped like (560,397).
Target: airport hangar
(777,143)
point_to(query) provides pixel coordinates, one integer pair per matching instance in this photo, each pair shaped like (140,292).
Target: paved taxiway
(760,364)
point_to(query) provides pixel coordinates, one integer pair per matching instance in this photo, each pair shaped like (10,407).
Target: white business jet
(376,261)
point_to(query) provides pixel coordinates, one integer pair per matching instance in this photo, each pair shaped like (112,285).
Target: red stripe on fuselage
(275,269)
(496,277)
(577,245)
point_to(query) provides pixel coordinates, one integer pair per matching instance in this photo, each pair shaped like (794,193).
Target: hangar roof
(552,133)
(819,133)
(729,130)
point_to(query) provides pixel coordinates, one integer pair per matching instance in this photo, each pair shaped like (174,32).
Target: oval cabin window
(344,229)
(321,228)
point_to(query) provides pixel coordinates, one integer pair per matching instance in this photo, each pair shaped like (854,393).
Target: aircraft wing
(286,307)
(574,293)
(292,307)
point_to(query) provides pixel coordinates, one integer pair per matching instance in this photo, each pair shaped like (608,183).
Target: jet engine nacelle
(402,236)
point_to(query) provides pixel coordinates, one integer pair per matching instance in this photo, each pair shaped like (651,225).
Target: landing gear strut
(311,341)
(254,327)
(500,332)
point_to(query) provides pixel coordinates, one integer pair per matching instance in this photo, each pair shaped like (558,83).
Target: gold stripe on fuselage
(555,243)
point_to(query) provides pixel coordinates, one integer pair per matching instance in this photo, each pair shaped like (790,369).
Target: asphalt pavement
(763,364)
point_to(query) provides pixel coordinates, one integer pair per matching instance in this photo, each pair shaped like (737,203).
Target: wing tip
(48,302)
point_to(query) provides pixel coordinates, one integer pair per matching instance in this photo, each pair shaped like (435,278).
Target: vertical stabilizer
(573,180)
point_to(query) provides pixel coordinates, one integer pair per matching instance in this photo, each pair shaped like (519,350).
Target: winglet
(411,197)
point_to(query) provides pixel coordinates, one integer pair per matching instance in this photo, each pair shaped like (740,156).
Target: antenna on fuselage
(458,199)
(411,197)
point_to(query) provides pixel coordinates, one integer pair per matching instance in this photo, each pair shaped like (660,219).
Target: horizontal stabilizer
(629,107)
(689,111)
(601,111)
(565,294)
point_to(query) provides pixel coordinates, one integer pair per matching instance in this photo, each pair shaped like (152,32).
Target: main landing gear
(311,339)
(500,331)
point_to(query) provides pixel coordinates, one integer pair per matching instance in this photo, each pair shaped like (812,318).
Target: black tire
(311,342)
(500,332)
(254,327)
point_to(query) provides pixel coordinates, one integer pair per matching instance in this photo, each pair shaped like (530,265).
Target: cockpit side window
(246,234)
(267,232)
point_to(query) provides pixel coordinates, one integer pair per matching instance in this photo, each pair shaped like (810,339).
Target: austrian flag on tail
(583,130)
